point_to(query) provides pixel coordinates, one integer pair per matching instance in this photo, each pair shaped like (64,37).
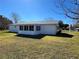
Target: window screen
(21,27)
(31,28)
(25,28)
(38,28)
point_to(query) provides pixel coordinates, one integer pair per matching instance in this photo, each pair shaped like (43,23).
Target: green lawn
(64,46)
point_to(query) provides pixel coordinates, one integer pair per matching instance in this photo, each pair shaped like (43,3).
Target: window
(25,27)
(14,26)
(31,28)
(38,28)
(21,27)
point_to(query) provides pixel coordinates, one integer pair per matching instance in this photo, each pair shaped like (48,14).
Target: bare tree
(70,8)
(15,17)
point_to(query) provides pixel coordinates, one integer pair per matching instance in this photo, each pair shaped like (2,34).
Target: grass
(61,46)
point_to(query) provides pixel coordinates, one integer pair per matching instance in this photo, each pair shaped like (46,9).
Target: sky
(29,10)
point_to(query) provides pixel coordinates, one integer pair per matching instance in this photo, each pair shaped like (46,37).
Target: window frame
(21,27)
(38,28)
(26,27)
(31,27)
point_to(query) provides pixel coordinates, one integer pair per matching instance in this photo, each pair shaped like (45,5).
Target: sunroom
(29,29)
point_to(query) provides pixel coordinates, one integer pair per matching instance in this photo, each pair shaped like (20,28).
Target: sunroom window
(31,28)
(21,27)
(38,28)
(25,28)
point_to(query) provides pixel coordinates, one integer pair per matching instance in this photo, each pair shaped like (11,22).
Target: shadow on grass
(31,36)
(10,32)
(65,35)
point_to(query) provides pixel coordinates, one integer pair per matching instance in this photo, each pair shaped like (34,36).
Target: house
(35,27)
(77,29)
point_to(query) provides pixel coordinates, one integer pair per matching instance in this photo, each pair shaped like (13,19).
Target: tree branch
(76,18)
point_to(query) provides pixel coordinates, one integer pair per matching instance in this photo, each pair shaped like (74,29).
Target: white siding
(48,29)
(14,28)
(45,29)
(27,32)
(37,32)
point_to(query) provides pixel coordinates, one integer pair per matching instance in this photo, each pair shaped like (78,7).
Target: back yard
(63,46)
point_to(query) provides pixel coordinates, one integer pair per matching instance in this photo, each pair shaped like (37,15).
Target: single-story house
(77,29)
(35,27)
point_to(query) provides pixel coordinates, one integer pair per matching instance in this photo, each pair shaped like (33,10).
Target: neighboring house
(0,24)
(77,29)
(77,26)
(35,27)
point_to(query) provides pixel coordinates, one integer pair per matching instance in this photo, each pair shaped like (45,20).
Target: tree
(61,24)
(66,26)
(15,17)
(70,8)
(4,22)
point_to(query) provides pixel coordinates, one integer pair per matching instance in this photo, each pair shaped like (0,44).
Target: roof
(77,28)
(37,22)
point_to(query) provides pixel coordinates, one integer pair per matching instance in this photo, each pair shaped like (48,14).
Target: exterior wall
(37,32)
(77,29)
(26,32)
(48,29)
(14,28)
(45,29)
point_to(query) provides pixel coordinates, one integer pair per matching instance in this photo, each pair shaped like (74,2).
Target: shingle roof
(38,22)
